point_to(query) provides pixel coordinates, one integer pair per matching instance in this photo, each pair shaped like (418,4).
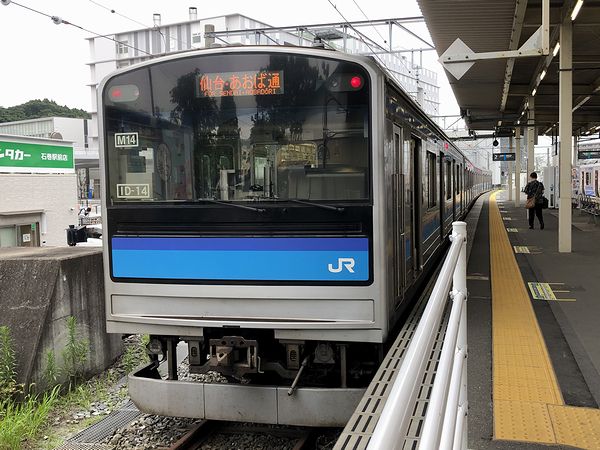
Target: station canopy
(493,93)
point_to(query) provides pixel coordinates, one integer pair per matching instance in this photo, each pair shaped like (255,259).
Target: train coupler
(234,356)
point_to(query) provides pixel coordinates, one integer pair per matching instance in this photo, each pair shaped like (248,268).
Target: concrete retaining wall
(39,289)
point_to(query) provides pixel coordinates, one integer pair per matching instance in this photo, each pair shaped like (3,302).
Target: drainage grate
(360,427)
(80,446)
(104,428)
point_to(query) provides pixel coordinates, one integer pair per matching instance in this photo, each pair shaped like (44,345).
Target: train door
(442,194)
(408,202)
(398,216)
(453,191)
(417,196)
(461,187)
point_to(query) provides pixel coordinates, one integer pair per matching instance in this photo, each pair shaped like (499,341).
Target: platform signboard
(34,157)
(588,154)
(504,156)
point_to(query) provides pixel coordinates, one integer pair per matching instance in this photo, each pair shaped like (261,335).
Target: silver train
(276,209)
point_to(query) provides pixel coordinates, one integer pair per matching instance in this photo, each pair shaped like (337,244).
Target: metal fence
(445,425)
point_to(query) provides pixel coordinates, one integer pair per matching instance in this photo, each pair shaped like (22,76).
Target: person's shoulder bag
(530,203)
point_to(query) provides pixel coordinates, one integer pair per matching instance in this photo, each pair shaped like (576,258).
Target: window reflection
(311,142)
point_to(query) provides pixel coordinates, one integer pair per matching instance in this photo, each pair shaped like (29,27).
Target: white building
(38,191)
(130,47)
(142,44)
(69,129)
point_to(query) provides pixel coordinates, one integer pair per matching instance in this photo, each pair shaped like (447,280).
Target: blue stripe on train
(239,244)
(242,259)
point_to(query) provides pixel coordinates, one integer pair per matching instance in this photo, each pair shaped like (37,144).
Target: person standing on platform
(535,201)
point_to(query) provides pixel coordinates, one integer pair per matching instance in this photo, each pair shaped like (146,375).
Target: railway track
(208,433)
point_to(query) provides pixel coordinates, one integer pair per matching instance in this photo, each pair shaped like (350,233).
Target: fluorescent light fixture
(518,122)
(556,48)
(543,74)
(533,92)
(578,105)
(578,6)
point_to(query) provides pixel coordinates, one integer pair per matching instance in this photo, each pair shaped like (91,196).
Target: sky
(44,60)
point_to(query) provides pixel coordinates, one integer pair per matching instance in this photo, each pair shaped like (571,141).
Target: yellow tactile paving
(522,421)
(513,318)
(528,404)
(579,427)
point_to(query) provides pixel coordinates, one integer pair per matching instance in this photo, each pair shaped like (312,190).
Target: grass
(77,399)
(20,422)
(8,386)
(40,422)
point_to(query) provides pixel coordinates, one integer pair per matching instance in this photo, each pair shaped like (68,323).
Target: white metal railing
(445,425)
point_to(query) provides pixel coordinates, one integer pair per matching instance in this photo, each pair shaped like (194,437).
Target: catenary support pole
(518,168)
(531,130)
(565,119)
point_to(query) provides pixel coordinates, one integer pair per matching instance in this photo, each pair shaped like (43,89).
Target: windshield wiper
(318,205)
(234,205)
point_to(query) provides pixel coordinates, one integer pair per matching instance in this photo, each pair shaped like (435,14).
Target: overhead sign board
(504,156)
(588,154)
(35,158)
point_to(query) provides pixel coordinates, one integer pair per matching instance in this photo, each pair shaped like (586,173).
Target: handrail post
(455,421)
(459,281)
(438,430)
(394,419)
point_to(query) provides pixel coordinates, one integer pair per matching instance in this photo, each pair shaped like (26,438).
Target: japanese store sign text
(35,158)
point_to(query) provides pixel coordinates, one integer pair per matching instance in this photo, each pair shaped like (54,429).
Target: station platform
(533,334)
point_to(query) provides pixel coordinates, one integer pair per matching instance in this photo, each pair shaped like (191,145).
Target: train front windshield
(237,128)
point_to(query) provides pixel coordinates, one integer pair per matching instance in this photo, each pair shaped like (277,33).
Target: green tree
(35,109)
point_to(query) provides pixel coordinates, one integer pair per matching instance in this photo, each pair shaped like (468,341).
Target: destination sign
(234,84)
(503,157)
(588,154)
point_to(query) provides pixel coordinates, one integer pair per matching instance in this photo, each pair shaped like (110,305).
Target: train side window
(448,180)
(457,179)
(432,177)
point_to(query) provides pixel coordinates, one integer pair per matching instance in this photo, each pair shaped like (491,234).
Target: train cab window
(190,130)
(432,180)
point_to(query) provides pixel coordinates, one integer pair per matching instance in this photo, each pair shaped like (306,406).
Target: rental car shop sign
(28,155)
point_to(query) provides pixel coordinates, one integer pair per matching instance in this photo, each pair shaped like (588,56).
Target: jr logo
(348,263)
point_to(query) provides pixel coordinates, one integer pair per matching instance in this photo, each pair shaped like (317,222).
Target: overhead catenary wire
(369,20)
(381,36)
(113,11)
(360,36)
(156,27)
(57,20)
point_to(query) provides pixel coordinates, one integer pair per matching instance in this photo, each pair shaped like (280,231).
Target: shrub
(75,353)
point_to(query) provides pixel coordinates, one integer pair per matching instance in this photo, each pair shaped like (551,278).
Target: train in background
(585,178)
(276,208)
